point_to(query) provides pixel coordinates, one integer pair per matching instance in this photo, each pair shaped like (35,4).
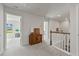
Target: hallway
(35,50)
(57,23)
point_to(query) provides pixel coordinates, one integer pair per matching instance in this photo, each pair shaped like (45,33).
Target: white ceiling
(35,8)
(50,10)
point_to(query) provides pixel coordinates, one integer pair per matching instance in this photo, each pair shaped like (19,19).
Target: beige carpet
(35,50)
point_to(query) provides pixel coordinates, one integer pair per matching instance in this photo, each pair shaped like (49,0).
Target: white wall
(65,26)
(74,30)
(1,28)
(78,30)
(28,22)
(53,25)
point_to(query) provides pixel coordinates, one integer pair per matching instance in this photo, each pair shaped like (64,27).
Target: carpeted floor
(35,50)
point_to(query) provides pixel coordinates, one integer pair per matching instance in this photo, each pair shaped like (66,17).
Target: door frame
(47,20)
(5,40)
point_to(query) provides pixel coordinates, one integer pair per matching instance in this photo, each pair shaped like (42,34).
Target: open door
(12,31)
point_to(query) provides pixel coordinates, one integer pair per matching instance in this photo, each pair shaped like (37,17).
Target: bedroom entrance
(12,31)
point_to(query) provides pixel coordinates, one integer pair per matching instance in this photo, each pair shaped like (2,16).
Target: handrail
(59,32)
(66,42)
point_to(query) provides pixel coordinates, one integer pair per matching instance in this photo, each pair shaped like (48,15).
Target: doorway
(12,31)
(46,32)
